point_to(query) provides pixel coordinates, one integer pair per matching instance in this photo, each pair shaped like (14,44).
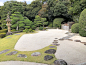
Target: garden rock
(83,42)
(52,47)
(48,57)
(9,33)
(17,34)
(61,39)
(56,38)
(36,54)
(12,53)
(4,51)
(77,40)
(22,55)
(60,62)
(56,44)
(50,51)
(8,37)
(70,39)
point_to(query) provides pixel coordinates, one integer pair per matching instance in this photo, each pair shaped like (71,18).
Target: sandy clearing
(31,42)
(72,52)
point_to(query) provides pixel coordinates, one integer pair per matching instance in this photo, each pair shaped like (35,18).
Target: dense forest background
(41,13)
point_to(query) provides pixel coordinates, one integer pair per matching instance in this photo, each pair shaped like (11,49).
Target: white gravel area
(72,52)
(31,42)
(20,63)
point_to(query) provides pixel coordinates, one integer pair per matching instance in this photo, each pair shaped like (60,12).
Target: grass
(10,43)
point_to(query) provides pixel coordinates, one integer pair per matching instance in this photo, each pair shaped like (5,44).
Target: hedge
(2,35)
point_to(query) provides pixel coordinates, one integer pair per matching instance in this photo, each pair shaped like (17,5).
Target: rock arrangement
(22,55)
(4,51)
(36,54)
(60,62)
(12,53)
(48,57)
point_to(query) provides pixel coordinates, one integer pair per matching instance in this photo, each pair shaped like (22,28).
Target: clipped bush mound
(75,28)
(82,22)
(3,31)
(2,35)
(40,28)
(57,22)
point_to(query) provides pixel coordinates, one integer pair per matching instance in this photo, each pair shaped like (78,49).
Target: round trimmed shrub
(82,22)
(75,28)
(3,31)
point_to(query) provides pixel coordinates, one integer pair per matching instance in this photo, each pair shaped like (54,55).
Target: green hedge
(40,28)
(75,28)
(2,35)
(57,22)
(82,22)
(3,31)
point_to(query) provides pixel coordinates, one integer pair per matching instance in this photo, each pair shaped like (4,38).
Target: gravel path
(31,42)
(20,63)
(72,52)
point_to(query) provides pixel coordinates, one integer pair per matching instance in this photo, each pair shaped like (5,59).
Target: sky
(2,1)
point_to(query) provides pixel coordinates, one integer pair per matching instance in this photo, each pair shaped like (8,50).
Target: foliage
(3,31)
(57,22)
(40,28)
(2,35)
(26,30)
(82,22)
(75,28)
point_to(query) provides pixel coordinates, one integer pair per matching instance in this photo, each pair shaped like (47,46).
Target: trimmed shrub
(44,28)
(3,31)
(57,22)
(13,30)
(30,30)
(82,22)
(40,28)
(75,28)
(26,30)
(2,35)
(50,25)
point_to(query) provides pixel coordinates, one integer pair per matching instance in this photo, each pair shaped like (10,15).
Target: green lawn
(10,43)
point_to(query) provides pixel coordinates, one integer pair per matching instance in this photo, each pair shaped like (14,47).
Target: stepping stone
(22,55)
(17,34)
(4,51)
(48,57)
(77,40)
(56,38)
(70,39)
(8,37)
(83,42)
(12,53)
(61,39)
(56,44)
(52,47)
(36,54)
(50,51)
(60,62)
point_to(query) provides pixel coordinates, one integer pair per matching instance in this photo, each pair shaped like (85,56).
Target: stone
(17,34)
(22,55)
(36,54)
(56,38)
(61,39)
(8,37)
(12,53)
(9,33)
(60,62)
(50,51)
(56,44)
(48,57)
(83,42)
(52,47)
(4,51)
(77,40)
(67,33)
(70,39)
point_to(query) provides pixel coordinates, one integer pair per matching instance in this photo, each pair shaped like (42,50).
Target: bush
(50,25)
(75,28)
(82,22)
(13,30)
(40,28)
(3,31)
(26,30)
(44,28)
(2,35)
(57,22)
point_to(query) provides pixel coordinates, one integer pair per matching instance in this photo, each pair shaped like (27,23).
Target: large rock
(9,33)
(48,57)
(50,51)
(4,51)
(12,53)
(52,47)
(22,55)
(60,62)
(56,44)
(77,40)
(36,54)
